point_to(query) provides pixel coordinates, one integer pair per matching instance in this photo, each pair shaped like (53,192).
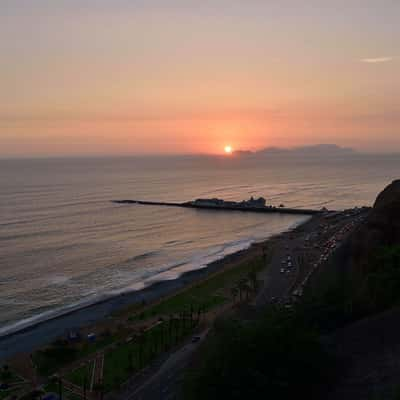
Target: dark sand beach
(42,333)
(103,312)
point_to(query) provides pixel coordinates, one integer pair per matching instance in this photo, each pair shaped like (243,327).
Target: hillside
(338,342)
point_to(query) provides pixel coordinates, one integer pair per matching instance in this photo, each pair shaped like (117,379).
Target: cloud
(377,60)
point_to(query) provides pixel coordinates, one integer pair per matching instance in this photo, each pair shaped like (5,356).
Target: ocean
(64,244)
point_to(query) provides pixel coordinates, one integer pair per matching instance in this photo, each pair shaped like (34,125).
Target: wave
(164,273)
(148,277)
(142,256)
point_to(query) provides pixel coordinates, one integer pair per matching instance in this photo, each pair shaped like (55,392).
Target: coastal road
(305,245)
(165,383)
(276,284)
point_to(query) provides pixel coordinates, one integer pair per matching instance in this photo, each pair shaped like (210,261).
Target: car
(50,396)
(196,339)
(282,270)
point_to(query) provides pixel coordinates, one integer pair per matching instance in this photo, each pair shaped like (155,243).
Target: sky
(96,77)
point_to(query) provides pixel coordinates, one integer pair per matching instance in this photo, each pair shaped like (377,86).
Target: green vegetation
(8,376)
(205,295)
(6,393)
(328,310)
(344,299)
(78,375)
(49,360)
(275,356)
(53,387)
(382,283)
(177,315)
(121,362)
(279,354)
(60,354)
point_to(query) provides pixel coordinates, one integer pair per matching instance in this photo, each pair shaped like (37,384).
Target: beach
(35,336)
(42,333)
(182,310)
(109,311)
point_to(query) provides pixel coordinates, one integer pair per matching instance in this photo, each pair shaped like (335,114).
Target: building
(252,202)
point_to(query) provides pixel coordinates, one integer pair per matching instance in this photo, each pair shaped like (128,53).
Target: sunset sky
(145,76)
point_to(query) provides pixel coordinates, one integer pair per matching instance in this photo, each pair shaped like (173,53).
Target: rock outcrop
(381,228)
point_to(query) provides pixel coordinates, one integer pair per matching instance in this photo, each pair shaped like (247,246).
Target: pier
(224,207)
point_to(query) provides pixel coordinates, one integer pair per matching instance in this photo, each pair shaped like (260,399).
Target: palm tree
(234,293)
(252,275)
(141,345)
(176,324)
(241,287)
(170,330)
(130,360)
(191,315)
(247,288)
(183,316)
(84,386)
(162,334)
(264,253)
(60,388)
(198,314)
(100,388)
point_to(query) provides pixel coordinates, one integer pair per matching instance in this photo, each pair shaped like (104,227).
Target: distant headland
(325,150)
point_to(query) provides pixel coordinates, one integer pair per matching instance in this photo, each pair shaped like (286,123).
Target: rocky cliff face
(385,216)
(381,228)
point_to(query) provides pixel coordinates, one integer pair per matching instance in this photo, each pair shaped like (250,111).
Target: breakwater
(266,209)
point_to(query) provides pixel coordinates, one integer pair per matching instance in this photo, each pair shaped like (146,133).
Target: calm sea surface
(64,244)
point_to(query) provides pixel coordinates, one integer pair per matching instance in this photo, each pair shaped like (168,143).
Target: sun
(228,149)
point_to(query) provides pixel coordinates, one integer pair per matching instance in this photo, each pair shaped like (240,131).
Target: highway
(165,383)
(303,248)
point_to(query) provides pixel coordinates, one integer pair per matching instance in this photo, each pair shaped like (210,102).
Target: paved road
(277,284)
(305,246)
(164,383)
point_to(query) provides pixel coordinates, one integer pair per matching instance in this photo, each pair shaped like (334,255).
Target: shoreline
(43,332)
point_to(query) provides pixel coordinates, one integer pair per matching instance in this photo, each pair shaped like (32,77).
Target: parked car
(196,339)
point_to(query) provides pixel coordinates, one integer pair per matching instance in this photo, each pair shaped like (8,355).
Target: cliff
(381,228)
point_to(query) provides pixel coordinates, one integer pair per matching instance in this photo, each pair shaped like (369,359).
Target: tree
(234,293)
(242,286)
(141,343)
(252,275)
(130,360)
(84,386)
(273,357)
(60,388)
(191,315)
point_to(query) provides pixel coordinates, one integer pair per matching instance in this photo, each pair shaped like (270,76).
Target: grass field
(205,295)
(9,377)
(125,358)
(58,355)
(66,394)
(78,375)
(121,362)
